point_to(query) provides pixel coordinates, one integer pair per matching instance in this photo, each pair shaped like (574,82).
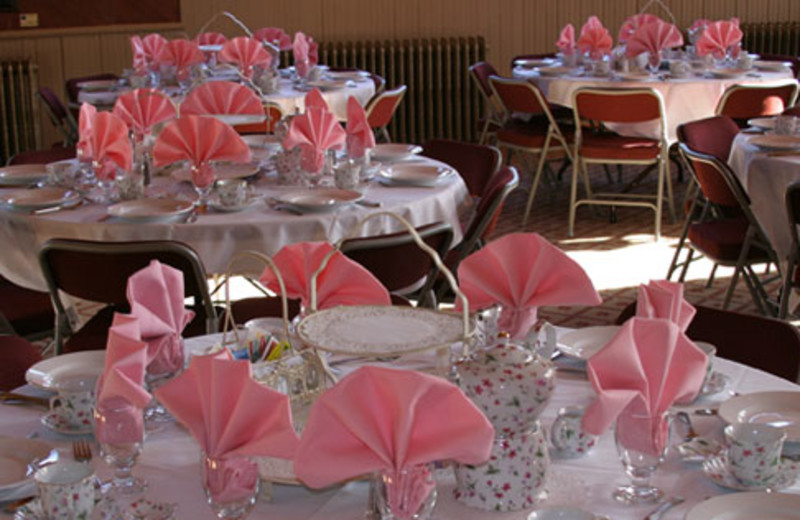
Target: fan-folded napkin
(359,134)
(222,97)
(718,37)
(522,271)
(632,23)
(110,144)
(595,39)
(653,37)
(276,36)
(85,125)
(664,299)
(143,108)
(566,40)
(646,368)
(180,53)
(245,53)
(199,139)
(314,131)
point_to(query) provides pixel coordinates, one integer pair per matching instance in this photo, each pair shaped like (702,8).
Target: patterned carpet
(618,256)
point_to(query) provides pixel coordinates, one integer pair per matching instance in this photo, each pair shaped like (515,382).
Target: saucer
(144,509)
(58,424)
(698,449)
(716,469)
(251,201)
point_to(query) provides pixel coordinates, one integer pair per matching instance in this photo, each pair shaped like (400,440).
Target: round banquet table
(170,462)
(685,99)
(218,236)
(765,177)
(287,96)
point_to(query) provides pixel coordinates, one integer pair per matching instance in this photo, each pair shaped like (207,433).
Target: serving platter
(586,342)
(239,119)
(49,373)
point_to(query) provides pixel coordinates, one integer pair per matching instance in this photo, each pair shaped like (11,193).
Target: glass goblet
(409,493)
(119,428)
(653,62)
(642,442)
(231,485)
(203,182)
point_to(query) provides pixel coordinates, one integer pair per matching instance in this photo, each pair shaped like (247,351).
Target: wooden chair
(381,108)
(744,102)
(99,272)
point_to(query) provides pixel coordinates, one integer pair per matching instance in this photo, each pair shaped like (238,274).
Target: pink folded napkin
(653,37)
(646,368)
(121,381)
(315,131)
(230,415)
(382,419)
(300,49)
(143,108)
(342,282)
(153,45)
(566,40)
(85,125)
(664,299)
(245,53)
(632,23)
(274,35)
(222,97)
(140,61)
(199,139)
(314,98)
(595,39)
(719,37)
(522,271)
(156,296)
(359,133)
(110,144)
(211,38)
(180,53)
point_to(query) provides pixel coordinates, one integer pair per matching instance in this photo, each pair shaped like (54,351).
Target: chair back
(16,356)
(480,73)
(742,102)
(717,182)
(397,261)
(488,210)
(57,153)
(382,107)
(712,136)
(99,272)
(59,115)
(475,163)
(274,113)
(634,105)
(519,95)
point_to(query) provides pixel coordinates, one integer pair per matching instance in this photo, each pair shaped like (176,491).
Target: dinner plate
(413,174)
(764,123)
(221,172)
(98,84)
(210,47)
(772,142)
(532,63)
(40,198)
(22,174)
(747,506)
(48,373)
(555,71)
(327,84)
(780,409)
(728,73)
(262,141)
(248,203)
(352,75)
(634,76)
(389,152)
(586,342)
(772,66)
(15,457)
(151,210)
(239,119)
(319,200)
(374,331)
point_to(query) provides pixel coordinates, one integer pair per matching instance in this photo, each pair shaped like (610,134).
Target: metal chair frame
(737,89)
(494,111)
(398,93)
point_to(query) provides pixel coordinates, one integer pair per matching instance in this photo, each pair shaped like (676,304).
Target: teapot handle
(541,339)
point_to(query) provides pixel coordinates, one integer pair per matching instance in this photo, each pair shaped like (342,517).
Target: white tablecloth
(218,236)
(170,462)
(684,99)
(765,180)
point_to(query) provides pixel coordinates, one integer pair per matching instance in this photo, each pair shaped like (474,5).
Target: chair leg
(711,275)
(659,198)
(786,287)
(731,287)
(573,194)
(537,176)
(484,131)
(673,266)
(385,133)
(670,197)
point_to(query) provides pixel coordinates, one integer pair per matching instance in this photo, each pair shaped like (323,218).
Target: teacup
(66,490)
(347,175)
(786,125)
(60,174)
(568,436)
(710,351)
(75,401)
(678,68)
(754,452)
(232,192)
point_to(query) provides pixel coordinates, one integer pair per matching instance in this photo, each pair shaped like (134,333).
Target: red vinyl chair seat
(618,147)
(722,240)
(524,134)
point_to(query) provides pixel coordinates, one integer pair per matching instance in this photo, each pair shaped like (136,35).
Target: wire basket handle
(229,16)
(663,6)
(229,323)
(422,245)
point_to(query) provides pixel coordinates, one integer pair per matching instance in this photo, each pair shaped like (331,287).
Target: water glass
(642,442)
(567,434)
(231,485)
(407,494)
(130,185)
(119,428)
(203,182)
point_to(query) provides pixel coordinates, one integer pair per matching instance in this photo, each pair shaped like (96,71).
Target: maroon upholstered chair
(492,119)
(744,102)
(29,313)
(17,355)
(475,163)
(760,342)
(793,61)
(99,272)
(59,116)
(381,108)
(72,84)
(791,278)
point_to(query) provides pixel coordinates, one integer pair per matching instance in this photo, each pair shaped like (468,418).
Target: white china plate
(48,373)
(532,63)
(717,470)
(98,84)
(746,506)
(151,210)
(31,200)
(389,152)
(352,75)
(328,84)
(56,423)
(210,47)
(780,409)
(261,141)
(15,456)
(586,342)
(772,66)
(380,330)
(250,202)
(22,174)
(239,119)
(727,73)
(319,200)
(555,71)
(561,513)
(412,174)
(221,172)
(774,142)
(764,123)
(634,76)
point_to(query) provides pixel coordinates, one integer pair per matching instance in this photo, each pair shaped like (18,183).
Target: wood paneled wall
(511,27)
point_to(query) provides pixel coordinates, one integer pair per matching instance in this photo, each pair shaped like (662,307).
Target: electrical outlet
(29,20)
